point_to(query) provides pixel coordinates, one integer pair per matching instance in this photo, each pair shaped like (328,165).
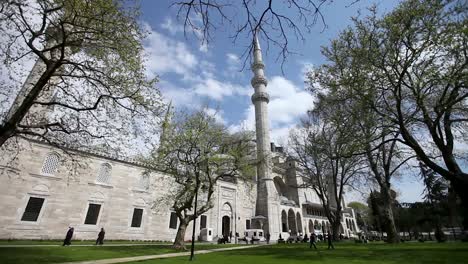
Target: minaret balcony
(258,65)
(260,96)
(256,80)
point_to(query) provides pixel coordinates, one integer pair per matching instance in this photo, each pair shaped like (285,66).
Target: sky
(194,74)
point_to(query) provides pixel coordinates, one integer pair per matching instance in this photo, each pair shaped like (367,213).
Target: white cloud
(218,115)
(232,58)
(171,26)
(287,104)
(203,47)
(167,55)
(217,90)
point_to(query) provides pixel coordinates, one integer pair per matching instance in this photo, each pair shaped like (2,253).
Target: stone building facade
(45,190)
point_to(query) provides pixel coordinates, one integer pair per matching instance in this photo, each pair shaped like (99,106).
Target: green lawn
(345,253)
(64,254)
(408,253)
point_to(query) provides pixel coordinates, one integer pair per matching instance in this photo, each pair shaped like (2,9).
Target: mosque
(43,192)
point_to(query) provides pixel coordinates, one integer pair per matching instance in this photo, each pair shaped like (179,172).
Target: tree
(276,21)
(380,205)
(414,62)
(436,194)
(196,152)
(362,212)
(89,79)
(323,147)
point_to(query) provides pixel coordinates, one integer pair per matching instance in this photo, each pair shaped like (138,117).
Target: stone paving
(160,256)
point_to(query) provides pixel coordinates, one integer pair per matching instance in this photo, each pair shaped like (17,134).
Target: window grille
(137,216)
(93,214)
(31,213)
(50,165)
(247,224)
(104,173)
(173,221)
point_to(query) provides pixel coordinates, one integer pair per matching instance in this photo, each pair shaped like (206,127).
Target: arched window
(51,163)
(104,175)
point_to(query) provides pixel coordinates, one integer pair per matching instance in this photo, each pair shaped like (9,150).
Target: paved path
(86,245)
(160,256)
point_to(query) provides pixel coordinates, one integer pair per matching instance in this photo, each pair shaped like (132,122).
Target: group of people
(69,236)
(313,241)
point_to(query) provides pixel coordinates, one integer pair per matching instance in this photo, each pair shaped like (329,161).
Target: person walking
(313,239)
(330,244)
(100,238)
(68,236)
(268,238)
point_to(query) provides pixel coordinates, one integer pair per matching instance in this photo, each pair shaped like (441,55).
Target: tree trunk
(387,214)
(6,132)
(336,230)
(179,242)
(460,188)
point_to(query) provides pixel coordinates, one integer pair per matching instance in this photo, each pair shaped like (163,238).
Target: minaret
(266,206)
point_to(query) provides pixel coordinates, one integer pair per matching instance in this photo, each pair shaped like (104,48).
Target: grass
(345,253)
(65,254)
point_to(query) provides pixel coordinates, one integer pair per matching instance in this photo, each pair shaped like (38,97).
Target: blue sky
(193,74)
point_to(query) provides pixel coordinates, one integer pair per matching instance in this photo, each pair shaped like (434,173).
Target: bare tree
(88,81)
(323,148)
(275,21)
(197,152)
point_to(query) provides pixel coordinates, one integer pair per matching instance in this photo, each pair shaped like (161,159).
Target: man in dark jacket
(313,239)
(68,237)
(100,238)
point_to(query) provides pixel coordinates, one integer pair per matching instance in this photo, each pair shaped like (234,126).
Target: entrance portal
(226,225)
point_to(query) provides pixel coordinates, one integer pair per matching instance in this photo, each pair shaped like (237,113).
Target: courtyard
(408,253)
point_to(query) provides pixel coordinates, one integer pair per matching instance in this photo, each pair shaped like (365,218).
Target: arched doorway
(299,222)
(311,226)
(226,225)
(226,212)
(284,222)
(292,222)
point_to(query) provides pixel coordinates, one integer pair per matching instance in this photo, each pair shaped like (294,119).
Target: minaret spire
(265,206)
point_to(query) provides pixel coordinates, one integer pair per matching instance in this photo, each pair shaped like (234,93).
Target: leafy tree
(410,68)
(88,81)
(197,152)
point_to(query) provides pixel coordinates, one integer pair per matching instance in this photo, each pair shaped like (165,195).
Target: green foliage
(197,152)
(90,57)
